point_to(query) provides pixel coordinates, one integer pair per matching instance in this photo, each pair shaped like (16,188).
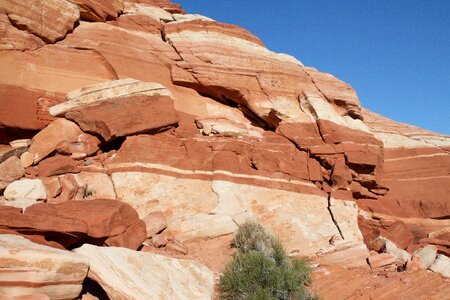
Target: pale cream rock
(98,184)
(20,143)
(400,254)
(321,109)
(147,10)
(345,213)
(190,17)
(108,90)
(25,189)
(221,203)
(229,42)
(202,225)
(55,272)
(130,275)
(176,198)
(439,232)
(27,159)
(46,141)
(226,127)
(426,256)
(441,265)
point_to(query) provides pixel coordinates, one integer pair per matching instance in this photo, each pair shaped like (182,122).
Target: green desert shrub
(262,270)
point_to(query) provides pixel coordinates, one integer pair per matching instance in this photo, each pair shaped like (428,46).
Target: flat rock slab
(109,222)
(28,268)
(125,116)
(125,275)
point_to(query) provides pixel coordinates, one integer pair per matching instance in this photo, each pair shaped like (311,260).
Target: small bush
(262,270)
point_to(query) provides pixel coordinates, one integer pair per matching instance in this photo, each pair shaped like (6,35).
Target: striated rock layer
(136,101)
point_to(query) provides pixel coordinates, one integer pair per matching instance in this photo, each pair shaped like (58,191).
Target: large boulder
(125,116)
(58,132)
(29,268)
(11,169)
(103,222)
(126,274)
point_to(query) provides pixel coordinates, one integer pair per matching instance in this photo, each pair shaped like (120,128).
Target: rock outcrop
(115,111)
(103,222)
(29,268)
(125,274)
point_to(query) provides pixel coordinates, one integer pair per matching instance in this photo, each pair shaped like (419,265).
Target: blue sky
(395,53)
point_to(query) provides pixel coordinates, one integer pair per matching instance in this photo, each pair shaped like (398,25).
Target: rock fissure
(333,218)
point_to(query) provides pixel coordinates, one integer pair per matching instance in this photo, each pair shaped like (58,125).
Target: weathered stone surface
(14,38)
(98,186)
(398,253)
(6,151)
(415,164)
(381,260)
(115,89)
(26,189)
(155,222)
(190,204)
(338,282)
(98,10)
(20,143)
(49,20)
(19,203)
(72,188)
(47,140)
(57,165)
(10,170)
(38,80)
(84,144)
(102,222)
(441,265)
(354,256)
(425,256)
(125,116)
(258,136)
(126,274)
(29,268)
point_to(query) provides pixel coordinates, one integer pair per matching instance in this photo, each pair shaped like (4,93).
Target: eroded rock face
(102,222)
(49,20)
(29,268)
(126,116)
(198,120)
(126,274)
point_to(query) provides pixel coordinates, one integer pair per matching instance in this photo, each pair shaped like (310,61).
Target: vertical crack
(332,217)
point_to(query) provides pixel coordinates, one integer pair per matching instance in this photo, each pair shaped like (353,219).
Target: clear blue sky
(395,53)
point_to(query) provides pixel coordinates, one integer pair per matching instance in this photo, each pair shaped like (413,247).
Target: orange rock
(381,260)
(73,222)
(55,20)
(57,165)
(125,116)
(98,11)
(10,170)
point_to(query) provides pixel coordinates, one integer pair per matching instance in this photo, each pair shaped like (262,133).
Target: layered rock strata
(136,107)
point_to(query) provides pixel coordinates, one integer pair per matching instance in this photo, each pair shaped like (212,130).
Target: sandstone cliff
(138,108)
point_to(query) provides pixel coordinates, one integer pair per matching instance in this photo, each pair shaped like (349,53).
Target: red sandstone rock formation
(135,101)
